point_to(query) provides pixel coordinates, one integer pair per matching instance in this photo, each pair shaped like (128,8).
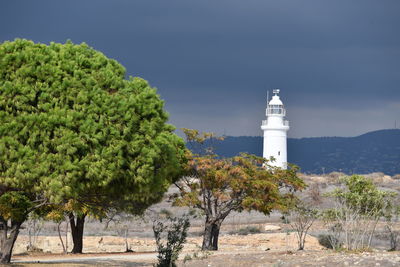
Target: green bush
(175,233)
(329,241)
(246,231)
(165,213)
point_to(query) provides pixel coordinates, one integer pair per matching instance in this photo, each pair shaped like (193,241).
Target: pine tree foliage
(72,127)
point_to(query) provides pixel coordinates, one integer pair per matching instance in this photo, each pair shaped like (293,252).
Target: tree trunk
(8,240)
(66,236)
(302,241)
(60,237)
(299,235)
(215,235)
(77,231)
(207,243)
(211,234)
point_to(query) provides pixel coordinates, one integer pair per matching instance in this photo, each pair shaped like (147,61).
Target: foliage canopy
(218,186)
(72,127)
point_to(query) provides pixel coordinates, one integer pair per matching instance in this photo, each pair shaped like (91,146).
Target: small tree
(392,216)
(122,223)
(315,194)
(301,218)
(176,233)
(64,245)
(15,208)
(332,240)
(34,225)
(358,207)
(219,186)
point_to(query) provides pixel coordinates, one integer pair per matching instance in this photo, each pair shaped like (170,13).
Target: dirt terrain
(265,249)
(245,257)
(269,249)
(306,258)
(275,245)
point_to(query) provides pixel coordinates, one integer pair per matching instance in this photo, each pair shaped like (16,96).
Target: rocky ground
(298,258)
(275,245)
(265,249)
(237,258)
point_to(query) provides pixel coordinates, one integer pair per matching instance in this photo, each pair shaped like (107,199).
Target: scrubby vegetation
(246,231)
(358,206)
(175,233)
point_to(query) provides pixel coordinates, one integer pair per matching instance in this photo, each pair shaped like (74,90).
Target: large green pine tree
(73,128)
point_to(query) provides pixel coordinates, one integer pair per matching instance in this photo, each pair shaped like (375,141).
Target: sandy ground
(321,258)
(266,249)
(108,250)
(298,259)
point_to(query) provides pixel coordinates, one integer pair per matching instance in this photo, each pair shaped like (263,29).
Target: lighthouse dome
(275,107)
(275,101)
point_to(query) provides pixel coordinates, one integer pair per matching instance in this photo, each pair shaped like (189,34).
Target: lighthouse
(275,129)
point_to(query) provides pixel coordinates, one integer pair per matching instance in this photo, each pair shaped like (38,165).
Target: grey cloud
(212,61)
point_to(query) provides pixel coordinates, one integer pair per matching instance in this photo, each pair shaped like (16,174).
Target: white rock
(270,227)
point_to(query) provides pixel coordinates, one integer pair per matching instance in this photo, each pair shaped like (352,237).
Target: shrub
(302,218)
(175,233)
(197,255)
(329,241)
(358,207)
(315,194)
(165,213)
(334,177)
(392,218)
(285,219)
(247,230)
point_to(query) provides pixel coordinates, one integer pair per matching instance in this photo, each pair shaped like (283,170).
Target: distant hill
(377,151)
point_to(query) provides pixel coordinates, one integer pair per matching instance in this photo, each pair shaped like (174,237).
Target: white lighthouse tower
(275,129)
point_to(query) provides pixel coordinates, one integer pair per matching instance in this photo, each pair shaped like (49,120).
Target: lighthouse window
(279,153)
(276,109)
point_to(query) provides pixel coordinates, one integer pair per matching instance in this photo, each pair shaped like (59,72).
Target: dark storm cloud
(337,62)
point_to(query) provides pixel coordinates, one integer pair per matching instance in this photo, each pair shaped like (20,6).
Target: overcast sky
(337,63)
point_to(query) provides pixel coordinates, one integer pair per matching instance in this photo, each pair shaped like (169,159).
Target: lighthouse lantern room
(275,129)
